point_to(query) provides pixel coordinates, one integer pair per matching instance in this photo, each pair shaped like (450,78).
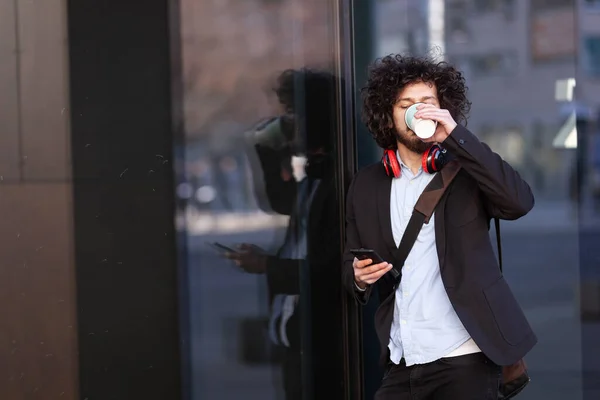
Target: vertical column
(9,97)
(42,80)
(124,202)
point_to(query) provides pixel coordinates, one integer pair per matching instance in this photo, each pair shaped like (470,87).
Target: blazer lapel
(440,236)
(384,191)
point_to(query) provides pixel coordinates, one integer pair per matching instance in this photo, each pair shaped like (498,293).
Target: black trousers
(292,374)
(468,377)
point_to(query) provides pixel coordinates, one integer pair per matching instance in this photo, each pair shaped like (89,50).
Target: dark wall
(125,249)
(367,151)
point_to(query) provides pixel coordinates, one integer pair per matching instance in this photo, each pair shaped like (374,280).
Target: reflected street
(532,247)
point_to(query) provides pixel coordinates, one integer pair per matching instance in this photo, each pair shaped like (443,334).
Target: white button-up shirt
(425,326)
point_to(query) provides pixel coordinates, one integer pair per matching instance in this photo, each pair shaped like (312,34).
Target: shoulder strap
(432,194)
(499,241)
(426,204)
(406,243)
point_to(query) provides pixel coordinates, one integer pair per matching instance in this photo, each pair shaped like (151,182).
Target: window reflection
(260,198)
(591,55)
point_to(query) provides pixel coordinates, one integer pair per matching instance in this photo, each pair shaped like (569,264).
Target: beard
(412,142)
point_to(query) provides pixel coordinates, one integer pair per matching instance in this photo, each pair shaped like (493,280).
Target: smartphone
(222,248)
(363,254)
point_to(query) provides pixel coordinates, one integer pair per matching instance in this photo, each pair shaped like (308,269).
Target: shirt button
(403,322)
(461,141)
(405,294)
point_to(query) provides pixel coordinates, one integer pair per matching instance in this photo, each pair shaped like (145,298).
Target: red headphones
(433,161)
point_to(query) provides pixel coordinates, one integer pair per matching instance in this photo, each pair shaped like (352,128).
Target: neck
(410,158)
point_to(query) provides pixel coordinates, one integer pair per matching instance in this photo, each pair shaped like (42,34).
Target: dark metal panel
(123,199)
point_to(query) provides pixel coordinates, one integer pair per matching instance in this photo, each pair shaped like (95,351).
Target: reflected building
(514,53)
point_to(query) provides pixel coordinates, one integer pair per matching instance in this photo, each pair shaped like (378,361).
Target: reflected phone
(221,248)
(363,254)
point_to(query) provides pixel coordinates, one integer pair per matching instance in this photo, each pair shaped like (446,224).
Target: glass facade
(172,183)
(262,198)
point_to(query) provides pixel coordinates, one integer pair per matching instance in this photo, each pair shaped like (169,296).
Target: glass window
(171,200)
(261,202)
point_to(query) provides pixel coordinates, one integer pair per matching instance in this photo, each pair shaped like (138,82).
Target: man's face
(418,92)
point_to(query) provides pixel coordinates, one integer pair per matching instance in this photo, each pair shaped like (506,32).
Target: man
(293,171)
(451,321)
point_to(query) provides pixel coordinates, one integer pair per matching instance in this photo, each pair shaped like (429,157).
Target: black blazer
(311,277)
(486,187)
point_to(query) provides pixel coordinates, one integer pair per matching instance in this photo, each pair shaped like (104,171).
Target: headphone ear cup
(386,164)
(390,162)
(433,159)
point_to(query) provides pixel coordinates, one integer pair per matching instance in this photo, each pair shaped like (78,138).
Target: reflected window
(507,141)
(591,55)
(544,4)
(458,30)
(486,65)
(592,3)
(485,6)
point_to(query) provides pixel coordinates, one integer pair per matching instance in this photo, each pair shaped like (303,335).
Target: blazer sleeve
(283,275)
(272,192)
(508,195)
(352,242)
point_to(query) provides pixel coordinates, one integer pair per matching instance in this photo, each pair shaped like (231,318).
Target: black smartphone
(221,248)
(363,254)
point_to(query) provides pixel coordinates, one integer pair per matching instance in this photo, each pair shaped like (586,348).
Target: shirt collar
(404,166)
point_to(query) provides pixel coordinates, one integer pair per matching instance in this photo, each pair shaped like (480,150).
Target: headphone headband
(433,160)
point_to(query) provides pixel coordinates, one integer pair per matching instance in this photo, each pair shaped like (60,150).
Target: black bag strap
(406,243)
(423,210)
(499,242)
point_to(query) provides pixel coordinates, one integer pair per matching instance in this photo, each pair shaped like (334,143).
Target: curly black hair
(316,90)
(390,74)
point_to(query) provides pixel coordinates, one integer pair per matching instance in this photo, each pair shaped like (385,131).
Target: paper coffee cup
(423,128)
(271,135)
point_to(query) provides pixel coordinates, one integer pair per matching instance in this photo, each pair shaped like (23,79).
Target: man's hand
(446,123)
(250,258)
(366,274)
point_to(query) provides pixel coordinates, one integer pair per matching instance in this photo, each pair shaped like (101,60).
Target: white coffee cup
(423,128)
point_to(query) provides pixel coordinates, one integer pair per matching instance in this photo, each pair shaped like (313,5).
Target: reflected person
(292,165)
